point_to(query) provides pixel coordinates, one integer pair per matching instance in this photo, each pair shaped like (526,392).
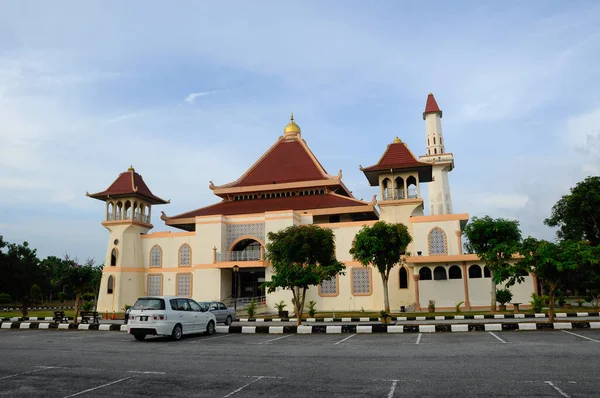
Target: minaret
(440,200)
(127,216)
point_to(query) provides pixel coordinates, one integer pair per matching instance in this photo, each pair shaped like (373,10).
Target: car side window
(195,306)
(174,305)
(222,306)
(184,305)
(213,306)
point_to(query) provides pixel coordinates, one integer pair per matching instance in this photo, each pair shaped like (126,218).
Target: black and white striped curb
(428,318)
(487,327)
(64,326)
(38,308)
(308,329)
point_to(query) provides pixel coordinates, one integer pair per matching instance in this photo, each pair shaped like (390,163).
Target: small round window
(116,242)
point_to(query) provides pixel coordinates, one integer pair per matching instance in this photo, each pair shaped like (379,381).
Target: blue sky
(88,88)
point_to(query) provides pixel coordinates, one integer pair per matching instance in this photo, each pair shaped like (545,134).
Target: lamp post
(236,268)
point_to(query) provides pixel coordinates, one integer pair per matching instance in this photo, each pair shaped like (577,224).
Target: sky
(196,91)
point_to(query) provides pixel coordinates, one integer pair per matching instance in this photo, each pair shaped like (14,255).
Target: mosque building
(219,252)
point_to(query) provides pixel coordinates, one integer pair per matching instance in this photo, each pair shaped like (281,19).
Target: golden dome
(397,140)
(292,127)
(131,169)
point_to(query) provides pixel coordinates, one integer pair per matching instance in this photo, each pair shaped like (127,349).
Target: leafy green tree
(81,278)
(577,215)
(495,241)
(383,246)
(19,270)
(550,262)
(301,256)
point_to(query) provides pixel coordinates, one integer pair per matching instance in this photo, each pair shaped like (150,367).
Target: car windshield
(204,305)
(149,304)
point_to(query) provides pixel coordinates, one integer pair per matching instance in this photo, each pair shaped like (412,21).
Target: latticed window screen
(437,242)
(155,256)
(329,286)
(154,285)
(185,255)
(361,282)
(184,284)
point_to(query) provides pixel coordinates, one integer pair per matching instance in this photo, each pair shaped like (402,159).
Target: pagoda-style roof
(128,184)
(397,158)
(288,163)
(327,203)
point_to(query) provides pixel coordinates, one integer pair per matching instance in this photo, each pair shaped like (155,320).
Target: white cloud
(191,98)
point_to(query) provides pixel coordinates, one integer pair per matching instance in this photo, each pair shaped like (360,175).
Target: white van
(168,316)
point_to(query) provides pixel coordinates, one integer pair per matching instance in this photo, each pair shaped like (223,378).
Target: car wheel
(210,328)
(177,332)
(228,320)
(139,337)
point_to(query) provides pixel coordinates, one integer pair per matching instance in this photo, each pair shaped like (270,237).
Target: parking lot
(52,363)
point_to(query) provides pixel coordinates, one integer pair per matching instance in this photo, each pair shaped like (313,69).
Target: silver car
(220,311)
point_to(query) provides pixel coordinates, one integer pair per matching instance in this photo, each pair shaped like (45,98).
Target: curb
(427,318)
(481,327)
(64,326)
(38,308)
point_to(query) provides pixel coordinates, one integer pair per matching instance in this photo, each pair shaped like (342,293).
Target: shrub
(126,307)
(580,302)
(87,306)
(4,299)
(251,308)
(61,297)
(458,306)
(431,306)
(538,302)
(312,310)
(503,296)
(88,296)
(280,306)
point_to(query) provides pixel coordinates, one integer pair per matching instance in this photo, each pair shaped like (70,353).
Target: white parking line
(244,386)
(210,338)
(493,334)
(341,341)
(419,338)
(561,392)
(278,338)
(99,387)
(31,371)
(392,389)
(145,373)
(583,337)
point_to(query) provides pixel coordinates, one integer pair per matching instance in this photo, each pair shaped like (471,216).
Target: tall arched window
(113,257)
(110,285)
(425,274)
(437,242)
(156,256)
(454,272)
(403,278)
(411,187)
(439,273)
(185,255)
(486,272)
(474,271)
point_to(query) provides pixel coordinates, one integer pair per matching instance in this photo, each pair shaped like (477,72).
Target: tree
(550,262)
(19,270)
(81,278)
(577,215)
(301,256)
(495,241)
(383,246)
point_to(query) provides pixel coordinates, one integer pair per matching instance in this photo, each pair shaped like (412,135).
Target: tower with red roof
(440,200)
(128,214)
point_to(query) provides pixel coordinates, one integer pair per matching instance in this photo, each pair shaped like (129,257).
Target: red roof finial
(431,106)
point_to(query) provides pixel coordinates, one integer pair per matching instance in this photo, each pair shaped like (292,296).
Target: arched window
(127,210)
(439,273)
(388,193)
(425,274)
(435,151)
(454,272)
(110,285)
(474,271)
(185,255)
(437,242)
(156,256)
(113,257)
(433,140)
(411,187)
(486,272)
(399,188)
(403,278)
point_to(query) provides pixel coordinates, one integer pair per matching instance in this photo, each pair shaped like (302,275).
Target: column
(466,285)
(535,285)
(262,253)
(214,254)
(416,278)
(459,239)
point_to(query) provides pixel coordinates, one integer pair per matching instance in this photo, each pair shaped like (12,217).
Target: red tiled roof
(252,206)
(288,161)
(129,183)
(396,156)
(431,105)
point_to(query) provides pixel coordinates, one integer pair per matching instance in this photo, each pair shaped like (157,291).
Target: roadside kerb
(333,329)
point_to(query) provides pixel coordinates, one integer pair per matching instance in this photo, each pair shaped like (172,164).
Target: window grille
(154,285)
(361,281)
(184,284)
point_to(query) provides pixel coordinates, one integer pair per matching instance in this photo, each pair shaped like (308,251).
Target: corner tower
(440,200)
(127,216)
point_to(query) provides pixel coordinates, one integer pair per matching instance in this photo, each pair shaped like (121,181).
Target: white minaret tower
(440,201)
